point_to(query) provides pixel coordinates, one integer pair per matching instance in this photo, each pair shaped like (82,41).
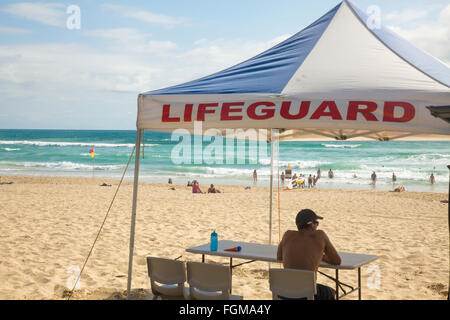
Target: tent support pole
(133,214)
(271,187)
(448,204)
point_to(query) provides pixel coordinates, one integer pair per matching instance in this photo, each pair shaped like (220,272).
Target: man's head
(307,218)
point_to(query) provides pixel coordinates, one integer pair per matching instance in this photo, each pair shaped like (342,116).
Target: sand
(48,225)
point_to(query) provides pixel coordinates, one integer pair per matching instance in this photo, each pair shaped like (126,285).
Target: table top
(266,252)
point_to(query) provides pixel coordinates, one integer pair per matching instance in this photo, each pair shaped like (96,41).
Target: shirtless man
(330,174)
(306,248)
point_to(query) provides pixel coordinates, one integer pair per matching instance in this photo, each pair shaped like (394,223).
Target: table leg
(359,283)
(337,284)
(231,271)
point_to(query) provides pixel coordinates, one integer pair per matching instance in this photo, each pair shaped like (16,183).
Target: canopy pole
(271,187)
(133,214)
(448,204)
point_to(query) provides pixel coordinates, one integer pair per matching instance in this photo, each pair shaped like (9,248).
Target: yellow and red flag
(92,152)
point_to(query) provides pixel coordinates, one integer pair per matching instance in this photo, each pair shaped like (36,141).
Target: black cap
(306,216)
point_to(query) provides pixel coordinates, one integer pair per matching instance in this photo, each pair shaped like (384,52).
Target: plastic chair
(292,283)
(167,278)
(209,282)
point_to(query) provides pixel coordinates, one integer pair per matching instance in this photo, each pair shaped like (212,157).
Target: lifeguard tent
(338,78)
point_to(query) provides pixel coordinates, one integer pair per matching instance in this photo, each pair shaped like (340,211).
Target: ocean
(65,153)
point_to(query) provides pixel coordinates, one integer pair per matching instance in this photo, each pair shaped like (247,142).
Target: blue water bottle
(214,241)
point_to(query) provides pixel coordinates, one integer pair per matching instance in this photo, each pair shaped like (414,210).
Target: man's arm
(330,256)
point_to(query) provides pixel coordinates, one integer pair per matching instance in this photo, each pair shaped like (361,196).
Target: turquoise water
(66,153)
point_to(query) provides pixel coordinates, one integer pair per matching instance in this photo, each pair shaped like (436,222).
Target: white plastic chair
(167,278)
(209,282)
(292,283)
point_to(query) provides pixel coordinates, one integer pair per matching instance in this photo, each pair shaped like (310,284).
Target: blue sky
(52,77)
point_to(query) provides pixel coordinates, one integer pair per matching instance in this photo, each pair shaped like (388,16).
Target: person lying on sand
(399,189)
(5,182)
(105,185)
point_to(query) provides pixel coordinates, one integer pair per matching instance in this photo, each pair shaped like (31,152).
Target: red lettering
(227,109)
(408,111)
(321,111)
(166,115)
(266,113)
(188,112)
(203,109)
(354,109)
(302,112)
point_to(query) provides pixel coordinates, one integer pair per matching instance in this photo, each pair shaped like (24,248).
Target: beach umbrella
(341,77)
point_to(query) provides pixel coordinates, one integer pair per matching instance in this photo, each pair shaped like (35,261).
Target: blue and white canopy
(338,77)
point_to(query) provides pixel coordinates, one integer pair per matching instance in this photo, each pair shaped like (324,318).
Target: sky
(82,64)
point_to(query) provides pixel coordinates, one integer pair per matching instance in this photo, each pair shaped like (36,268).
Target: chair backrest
(208,281)
(292,283)
(167,272)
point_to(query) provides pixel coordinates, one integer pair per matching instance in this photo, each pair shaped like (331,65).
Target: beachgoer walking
(310,181)
(318,174)
(255,176)
(394,177)
(314,180)
(432,179)
(306,247)
(374,177)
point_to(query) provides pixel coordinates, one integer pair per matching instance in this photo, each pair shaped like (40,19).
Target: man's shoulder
(321,234)
(289,233)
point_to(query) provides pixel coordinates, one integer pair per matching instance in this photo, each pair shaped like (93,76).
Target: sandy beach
(48,225)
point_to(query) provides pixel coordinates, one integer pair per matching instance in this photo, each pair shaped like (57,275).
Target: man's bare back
(305,249)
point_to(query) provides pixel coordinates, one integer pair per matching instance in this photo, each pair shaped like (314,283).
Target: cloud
(432,36)
(210,56)
(14,30)
(133,40)
(407,15)
(145,16)
(119,34)
(52,14)
(444,17)
(52,68)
